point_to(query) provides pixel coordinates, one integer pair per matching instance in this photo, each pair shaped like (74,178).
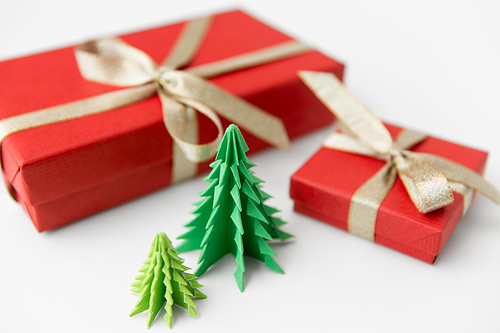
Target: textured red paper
(324,185)
(63,172)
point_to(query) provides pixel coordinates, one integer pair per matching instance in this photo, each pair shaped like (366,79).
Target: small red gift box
(323,187)
(393,186)
(65,171)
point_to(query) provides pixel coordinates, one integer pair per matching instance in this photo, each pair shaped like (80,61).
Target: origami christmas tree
(232,217)
(164,283)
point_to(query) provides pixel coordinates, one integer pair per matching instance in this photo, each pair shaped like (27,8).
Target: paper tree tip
(163,282)
(232,127)
(232,217)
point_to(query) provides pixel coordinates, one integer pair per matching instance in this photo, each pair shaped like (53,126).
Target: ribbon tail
(461,174)
(195,90)
(427,187)
(175,117)
(366,202)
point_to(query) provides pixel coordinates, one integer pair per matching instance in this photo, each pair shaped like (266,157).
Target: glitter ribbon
(110,61)
(428,179)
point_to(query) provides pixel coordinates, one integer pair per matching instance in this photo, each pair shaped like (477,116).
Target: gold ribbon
(428,179)
(110,61)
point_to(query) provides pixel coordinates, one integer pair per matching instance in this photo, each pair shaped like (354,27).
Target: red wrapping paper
(323,187)
(63,172)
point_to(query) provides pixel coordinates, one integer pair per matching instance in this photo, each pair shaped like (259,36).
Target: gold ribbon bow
(428,179)
(113,62)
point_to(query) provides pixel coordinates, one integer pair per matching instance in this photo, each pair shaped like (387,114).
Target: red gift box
(323,187)
(65,171)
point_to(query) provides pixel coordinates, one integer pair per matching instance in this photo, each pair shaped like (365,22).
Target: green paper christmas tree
(163,282)
(232,217)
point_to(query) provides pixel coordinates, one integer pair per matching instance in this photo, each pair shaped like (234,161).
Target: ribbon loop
(111,61)
(175,117)
(427,187)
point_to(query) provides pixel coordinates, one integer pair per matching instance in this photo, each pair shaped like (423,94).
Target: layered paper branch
(163,282)
(232,217)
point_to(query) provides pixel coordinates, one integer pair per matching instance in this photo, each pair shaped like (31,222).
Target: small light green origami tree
(233,217)
(164,283)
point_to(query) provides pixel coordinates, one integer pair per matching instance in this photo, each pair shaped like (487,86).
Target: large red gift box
(65,171)
(323,187)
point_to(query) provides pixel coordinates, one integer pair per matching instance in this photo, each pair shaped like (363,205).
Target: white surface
(428,65)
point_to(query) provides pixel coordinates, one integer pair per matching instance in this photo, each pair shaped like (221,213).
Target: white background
(433,66)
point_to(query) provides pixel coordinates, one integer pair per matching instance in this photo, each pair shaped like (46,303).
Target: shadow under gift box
(65,171)
(323,187)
